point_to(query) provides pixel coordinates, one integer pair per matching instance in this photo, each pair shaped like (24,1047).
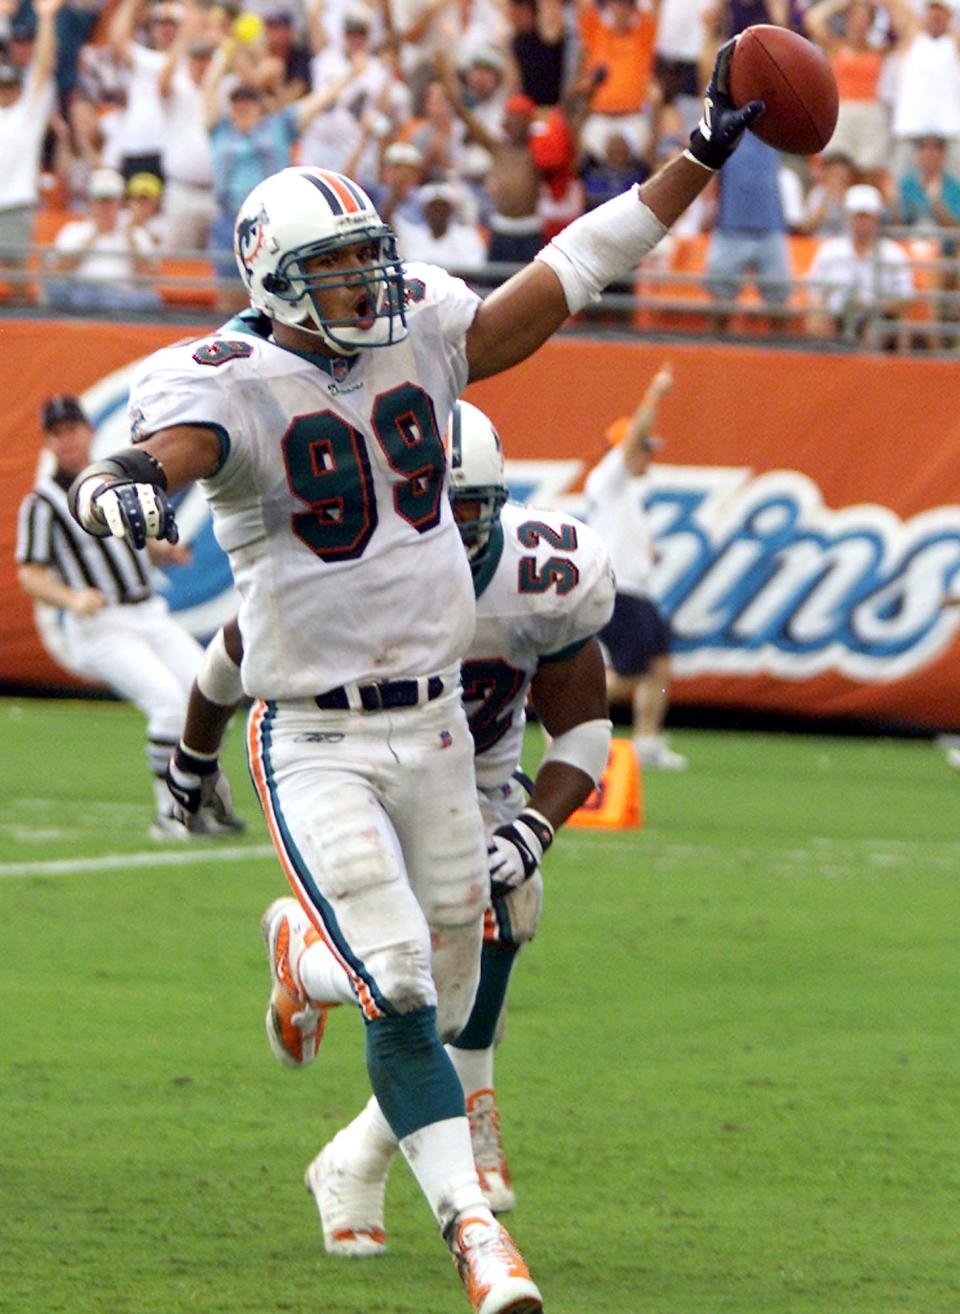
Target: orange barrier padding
(617,802)
(853,432)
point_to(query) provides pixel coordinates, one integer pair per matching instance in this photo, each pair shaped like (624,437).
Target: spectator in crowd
(860,284)
(144,207)
(442,238)
(248,145)
(638,638)
(927,98)
(20,45)
(618,38)
(928,197)
(620,167)
(187,158)
(749,234)
(396,197)
(72,161)
(540,46)
(484,93)
(282,47)
(844,31)
(115,629)
(357,83)
(104,255)
(141,132)
(928,202)
(823,209)
(513,183)
(422,28)
(27,101)
(438,134)
(677,57)
(77,23)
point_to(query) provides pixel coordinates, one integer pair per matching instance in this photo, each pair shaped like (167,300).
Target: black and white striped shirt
(48,535)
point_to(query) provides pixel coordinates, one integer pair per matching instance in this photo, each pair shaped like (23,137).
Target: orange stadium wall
(807,505)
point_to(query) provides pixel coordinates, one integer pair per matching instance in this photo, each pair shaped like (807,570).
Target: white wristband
(602,246)
(218,677)
(585,747)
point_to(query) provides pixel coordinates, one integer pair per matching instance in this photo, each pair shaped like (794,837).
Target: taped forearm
(585,747)
(602,246)
(218,677)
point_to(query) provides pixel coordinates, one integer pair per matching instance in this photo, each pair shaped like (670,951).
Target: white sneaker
(488,1156)
(350,1206)
(295,1024)
(492,1269)
(653,752)
(953,758)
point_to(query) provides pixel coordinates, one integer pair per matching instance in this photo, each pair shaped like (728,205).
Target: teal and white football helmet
(300,213)
(475,458)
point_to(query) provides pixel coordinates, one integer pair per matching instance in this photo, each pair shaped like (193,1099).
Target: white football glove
(136,512)
(514,852)
(201,793)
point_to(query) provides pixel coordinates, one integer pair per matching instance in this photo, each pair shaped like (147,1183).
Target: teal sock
(411,1073)
(496,962)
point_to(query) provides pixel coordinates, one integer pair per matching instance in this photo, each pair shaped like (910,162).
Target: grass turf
(728,1085)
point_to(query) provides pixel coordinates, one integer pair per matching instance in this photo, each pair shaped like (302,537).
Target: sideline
(117,861)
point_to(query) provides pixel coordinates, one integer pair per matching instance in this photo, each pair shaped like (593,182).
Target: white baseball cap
(403,152)
(863,199)
(106,185)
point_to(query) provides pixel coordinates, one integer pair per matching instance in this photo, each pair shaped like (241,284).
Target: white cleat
(493,1272)
(294,1023)
(350,1206)
(488,1156)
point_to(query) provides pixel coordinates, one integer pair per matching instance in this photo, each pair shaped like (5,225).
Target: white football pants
(375,820)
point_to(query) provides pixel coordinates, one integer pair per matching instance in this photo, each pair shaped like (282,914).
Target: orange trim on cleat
(492,1269)
(294,1023)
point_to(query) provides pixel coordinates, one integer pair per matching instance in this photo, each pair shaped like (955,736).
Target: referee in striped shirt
(113,628)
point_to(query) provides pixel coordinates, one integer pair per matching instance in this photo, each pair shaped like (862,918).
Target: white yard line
(120,861)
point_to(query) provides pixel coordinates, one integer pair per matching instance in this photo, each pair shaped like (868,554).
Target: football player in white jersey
(544,589)
(316,432)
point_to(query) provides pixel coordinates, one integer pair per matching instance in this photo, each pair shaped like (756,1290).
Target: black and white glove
(136,512)
(515,851)
(201,793)
(722,125)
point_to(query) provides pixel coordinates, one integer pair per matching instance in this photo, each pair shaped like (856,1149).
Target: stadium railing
(668,296)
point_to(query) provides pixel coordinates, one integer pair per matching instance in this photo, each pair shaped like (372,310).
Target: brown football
(794,79)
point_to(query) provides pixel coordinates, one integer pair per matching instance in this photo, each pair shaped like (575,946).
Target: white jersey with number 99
(331,497)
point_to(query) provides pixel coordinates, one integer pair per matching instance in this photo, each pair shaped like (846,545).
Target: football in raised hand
(794,79)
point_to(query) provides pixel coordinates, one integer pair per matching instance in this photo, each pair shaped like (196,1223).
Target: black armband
(131,466)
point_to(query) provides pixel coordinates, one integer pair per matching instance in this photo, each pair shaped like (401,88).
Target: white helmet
(300,213)
(475,458)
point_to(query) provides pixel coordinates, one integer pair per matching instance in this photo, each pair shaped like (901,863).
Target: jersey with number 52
(544,587)
(330,498)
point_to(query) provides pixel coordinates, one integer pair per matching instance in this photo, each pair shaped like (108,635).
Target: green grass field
(729,1084)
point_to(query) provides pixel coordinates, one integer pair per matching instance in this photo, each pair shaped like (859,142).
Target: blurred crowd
(479,127)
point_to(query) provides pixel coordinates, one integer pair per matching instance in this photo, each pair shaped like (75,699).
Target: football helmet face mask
(475,458)
(301,215)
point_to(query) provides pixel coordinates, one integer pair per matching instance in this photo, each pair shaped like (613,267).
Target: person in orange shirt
(618,36)
(863,123)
